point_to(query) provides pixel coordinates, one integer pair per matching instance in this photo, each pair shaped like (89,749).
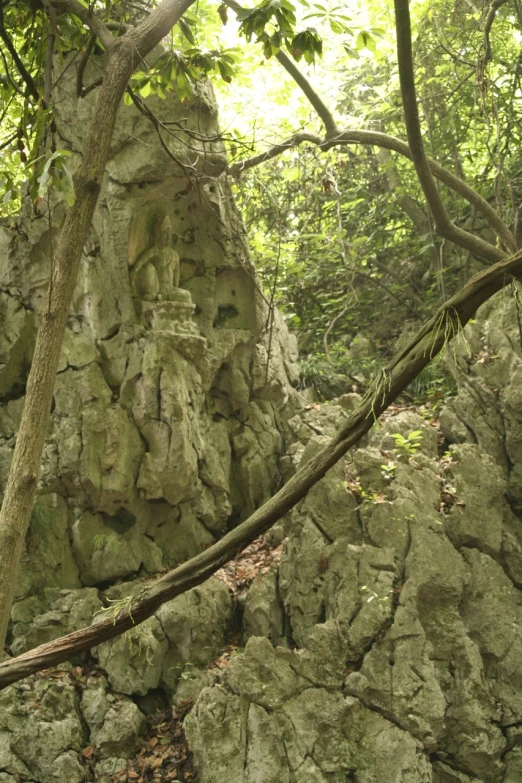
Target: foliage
(407,446)
(103,541)
(433,385)
(41,518)
(382,602)
(339,235)
(344,234)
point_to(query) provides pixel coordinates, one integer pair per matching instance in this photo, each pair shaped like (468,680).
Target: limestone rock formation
(398,623)
(171,394)
(171,391)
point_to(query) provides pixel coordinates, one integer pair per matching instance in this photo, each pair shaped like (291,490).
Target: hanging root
(118,606)
(448,326)
(378,390)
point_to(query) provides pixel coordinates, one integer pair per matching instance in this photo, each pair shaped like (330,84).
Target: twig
(22,70)
(82,66)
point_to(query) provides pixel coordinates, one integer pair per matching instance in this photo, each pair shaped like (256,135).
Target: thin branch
(22,70)
(85,15)
(378,139)
(92,86)
(157,125)
(393,379)
(14,85)
(48,73)
(445,227)
(490,18)
(8,141)
(82,65)
(400,298)
(348,306)
(322,110)
(298,138)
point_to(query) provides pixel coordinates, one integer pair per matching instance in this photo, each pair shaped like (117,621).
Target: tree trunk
(124,55)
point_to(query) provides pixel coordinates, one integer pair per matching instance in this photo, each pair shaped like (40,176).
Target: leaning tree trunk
(20,490)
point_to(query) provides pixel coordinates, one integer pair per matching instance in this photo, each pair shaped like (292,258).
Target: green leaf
(186,30)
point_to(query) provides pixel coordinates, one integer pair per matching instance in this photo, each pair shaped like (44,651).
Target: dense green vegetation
(343,238)
(341,235)
(348,240)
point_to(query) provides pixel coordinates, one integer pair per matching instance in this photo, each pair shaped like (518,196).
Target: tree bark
(125,54)
(445,325)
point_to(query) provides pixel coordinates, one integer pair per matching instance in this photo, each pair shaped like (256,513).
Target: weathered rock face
(45,726)
(166,421)
(398,621)
(170,392)
(487,364)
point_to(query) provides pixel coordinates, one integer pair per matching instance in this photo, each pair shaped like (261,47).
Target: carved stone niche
(174,315)
(154,277)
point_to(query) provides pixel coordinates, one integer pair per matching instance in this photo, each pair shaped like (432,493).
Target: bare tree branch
(322,110)
(446,324)
(298,138)
(378,139)
(445,227)
(22,70)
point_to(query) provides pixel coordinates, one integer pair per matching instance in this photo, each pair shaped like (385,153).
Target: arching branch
(378,139)
(22,70)
(444,225)
(321,108)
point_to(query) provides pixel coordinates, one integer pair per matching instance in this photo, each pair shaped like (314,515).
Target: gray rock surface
(180,639)
(168,404)
(403,628)
(166,427)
